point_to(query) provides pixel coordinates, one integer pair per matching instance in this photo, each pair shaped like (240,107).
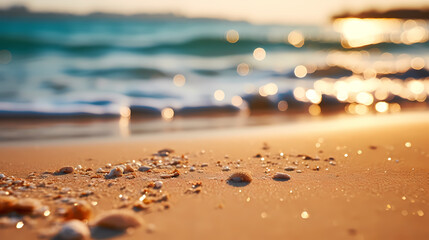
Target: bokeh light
(243,69)
(219,95)
(259,54)
(232,36)
(282,105)
(300,71)
(296,39)
(179,80)
(167,113)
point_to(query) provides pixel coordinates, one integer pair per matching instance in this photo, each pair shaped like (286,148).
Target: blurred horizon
(303,12)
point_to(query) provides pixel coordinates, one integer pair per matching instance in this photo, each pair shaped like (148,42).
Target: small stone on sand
(80,210)
(281,176)
(7,204)
(115,172)
(66,170)
(144,168)
(243,176)
(119,220)
(290,168)
(73,230)
(27,205)
(158,184)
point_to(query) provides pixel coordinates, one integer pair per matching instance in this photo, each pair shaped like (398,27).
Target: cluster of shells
(71,209)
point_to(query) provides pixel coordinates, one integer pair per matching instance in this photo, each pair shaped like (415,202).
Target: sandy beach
(355,178)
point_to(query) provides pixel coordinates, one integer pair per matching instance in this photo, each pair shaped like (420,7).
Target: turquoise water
(94,67)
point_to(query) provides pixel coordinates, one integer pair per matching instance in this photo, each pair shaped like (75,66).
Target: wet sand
(375,186)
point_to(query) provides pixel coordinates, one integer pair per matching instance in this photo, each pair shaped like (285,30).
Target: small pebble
(290,168)
(298,171)
(226,168)
(129,168)
(242,176)
(119,220)
(115,172)
(66,170)
(144,168)
(204,165)
(74,230)
(165,152)
(27,205)
(2,176)
(192,169)
(158,184)
(80,210)
(7,204)
(281,176)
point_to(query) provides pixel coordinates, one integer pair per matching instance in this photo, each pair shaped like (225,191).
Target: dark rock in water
(410,73)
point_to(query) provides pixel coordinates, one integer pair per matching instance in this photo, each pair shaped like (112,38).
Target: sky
(256,11)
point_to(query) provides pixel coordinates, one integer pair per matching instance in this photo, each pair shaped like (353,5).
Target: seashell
(129,168)
(66,170)
(73,230)
(144,168)
(2,176)
(119,220)
(281,176)
(80,210)
(115,172)
(243,176)
(27,205)
(7,204)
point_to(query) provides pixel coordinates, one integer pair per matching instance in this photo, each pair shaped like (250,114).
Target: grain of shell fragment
(73,230)
(115,172)
(119,220)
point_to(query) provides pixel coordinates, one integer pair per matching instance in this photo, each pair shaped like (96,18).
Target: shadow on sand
(237,184)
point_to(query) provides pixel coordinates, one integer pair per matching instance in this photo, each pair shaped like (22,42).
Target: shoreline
(278,124)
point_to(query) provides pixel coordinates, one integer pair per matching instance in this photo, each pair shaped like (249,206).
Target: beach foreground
(356,178)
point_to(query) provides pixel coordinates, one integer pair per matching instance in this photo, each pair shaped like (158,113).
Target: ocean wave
(119,73)
(200,46)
